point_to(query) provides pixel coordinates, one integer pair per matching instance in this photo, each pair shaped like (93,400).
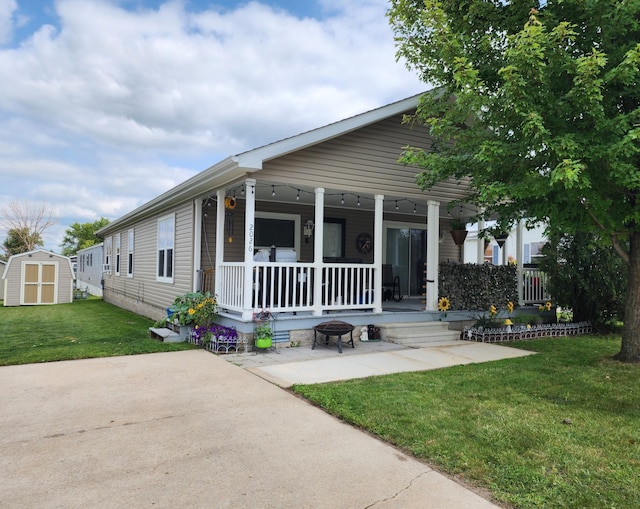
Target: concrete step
(165,335)
(423,332)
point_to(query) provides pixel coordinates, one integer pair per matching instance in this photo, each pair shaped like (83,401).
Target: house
(302,227)
(38,277)
(89,269)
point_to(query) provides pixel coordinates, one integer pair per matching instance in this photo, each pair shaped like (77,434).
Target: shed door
(40,283)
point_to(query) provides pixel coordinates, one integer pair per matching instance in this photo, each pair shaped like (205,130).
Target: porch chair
(390,281)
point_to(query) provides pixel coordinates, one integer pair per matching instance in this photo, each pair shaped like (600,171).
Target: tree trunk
(630,351)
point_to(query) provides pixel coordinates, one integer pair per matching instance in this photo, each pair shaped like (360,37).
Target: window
(117,254)
(279,230)
(333,238)
(107,256)
(130,254)
(166,237)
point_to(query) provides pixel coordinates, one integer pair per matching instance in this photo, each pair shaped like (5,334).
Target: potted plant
(263,335)
(458,231)
(193,309)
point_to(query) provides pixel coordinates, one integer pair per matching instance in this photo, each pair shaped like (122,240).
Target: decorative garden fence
(517,332)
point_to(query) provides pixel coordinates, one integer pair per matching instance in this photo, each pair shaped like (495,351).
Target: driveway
(189,429)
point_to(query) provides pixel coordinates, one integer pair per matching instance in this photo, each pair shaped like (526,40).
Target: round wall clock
(364,243)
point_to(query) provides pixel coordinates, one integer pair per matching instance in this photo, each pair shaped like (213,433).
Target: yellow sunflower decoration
(443,304)
(230,203)
(510,307)
(493,311)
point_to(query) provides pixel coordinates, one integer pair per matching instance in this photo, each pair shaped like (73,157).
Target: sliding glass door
(406,251)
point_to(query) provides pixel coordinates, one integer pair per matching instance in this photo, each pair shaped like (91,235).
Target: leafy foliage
(80,236)
(476,287)
(21,240)
(539,109)
(586,276)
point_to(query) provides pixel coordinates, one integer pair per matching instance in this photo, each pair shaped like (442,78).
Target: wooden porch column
(377,250)
(249,242)
(480,244)
(519,264)
(219,241)
(433,254)
(318,249)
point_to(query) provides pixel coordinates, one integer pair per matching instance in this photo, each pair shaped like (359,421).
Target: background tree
(543,105)
(20,241)
(25,224)
(585,275)
(80,236)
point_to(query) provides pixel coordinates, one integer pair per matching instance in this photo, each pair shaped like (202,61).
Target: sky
(106,104)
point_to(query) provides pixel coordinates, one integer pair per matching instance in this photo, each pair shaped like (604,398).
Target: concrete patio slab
(189,429)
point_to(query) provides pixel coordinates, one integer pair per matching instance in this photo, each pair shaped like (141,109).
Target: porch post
(519,262)
(377,251)
(433,254)
(219,241)
(318,249)
(480,246)
(197,241)
(249,237)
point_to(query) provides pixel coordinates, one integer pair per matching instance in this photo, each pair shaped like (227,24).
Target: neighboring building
(301,227)
(38,277)
(532,242)
(89,269)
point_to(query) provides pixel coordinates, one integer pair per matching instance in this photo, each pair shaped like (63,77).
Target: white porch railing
(289,287)
(535,286)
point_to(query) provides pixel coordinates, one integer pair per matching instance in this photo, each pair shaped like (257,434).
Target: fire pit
(333,328)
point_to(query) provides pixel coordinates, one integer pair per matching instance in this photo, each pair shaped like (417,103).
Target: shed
(38,277)
(3,264)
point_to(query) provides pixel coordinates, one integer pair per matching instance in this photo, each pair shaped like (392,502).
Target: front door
(40,283)
(406,251)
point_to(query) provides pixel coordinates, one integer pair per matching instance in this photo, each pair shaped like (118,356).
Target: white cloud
(7,9)
(115,106)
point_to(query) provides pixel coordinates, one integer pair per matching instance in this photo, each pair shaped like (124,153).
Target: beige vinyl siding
(143,288)
(364,161)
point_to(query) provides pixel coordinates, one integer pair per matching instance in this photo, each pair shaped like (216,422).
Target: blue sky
(105,104)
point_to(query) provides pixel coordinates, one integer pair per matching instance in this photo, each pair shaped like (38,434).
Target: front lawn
(557,429)
(82,329)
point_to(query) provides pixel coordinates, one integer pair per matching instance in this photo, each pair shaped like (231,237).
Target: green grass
(82,329)
(557,429)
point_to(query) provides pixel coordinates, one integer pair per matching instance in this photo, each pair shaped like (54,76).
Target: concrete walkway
(189,429)
(324,364)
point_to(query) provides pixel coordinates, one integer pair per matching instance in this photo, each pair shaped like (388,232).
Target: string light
(396,204)
(358,200)
(298,195)
(342,199)
(273,190)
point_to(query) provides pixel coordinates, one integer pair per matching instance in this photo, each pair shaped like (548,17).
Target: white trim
(283,217)
(130,251)
(166,279)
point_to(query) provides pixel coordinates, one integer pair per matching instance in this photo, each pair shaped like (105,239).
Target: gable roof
(234,167)
(30,253)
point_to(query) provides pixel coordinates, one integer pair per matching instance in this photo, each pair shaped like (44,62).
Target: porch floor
(302,365)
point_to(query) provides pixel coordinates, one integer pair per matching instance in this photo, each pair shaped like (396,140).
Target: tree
(586,276)
(25,224)
(538,110)
(21,241)
(79,236)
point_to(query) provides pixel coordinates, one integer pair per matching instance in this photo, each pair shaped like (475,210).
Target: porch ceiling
(337,198)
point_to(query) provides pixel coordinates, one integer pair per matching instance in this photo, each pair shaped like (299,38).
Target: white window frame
(130,241)
(283,217)
(107,255)
(166,235)
(118,245)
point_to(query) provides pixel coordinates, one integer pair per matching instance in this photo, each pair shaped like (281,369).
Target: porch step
(418,332)
(165,335)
